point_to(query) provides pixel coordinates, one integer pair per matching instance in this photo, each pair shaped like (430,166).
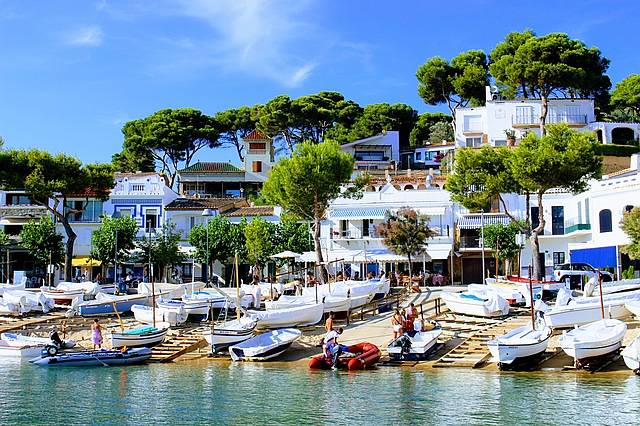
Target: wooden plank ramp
(183,344)
(16,323)
(473,351)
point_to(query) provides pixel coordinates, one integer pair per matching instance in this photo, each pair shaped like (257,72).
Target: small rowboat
(229,333)
(366,355)
(593,340)
(631,355)
(95,358)
(265,346)
(519,344)
(476,303)
(140,336)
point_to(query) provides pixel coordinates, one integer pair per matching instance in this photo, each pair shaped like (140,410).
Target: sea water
(252,393)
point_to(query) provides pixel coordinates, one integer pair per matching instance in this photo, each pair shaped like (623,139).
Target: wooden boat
(89,288)
(228,333)
(594,340)
(169,290)
(581,312)
(519,285)
(288,317)
(511,295)
(264,346)
(200,302)
(360,356)
(519,344)
(414,348)
(104,304)
(330,303)
(23,351)
(144,314)
(62,297)
(476,304)
(631,355)
(140,336)
(95,358)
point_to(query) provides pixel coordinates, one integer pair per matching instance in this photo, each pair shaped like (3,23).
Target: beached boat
(519,344)
(482,304)
(330,303)
(511,295)
(633,306)
(264,346)
(24,351)
(594,340)
(592,288)
(200,302)
(144,314)
(104,304)
(95,358)
(4,287)
(27,301)
(89,288)
(359,356)
(9,308)
(288,317)
(228,333)
(169,290)
(140,336)
(62,297)
(17,345)
(631,355)
(521,286)
(414,348)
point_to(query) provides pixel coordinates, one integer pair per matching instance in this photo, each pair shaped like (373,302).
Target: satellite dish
(494,89)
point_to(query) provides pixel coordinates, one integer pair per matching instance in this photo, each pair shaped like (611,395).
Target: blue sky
(72,72)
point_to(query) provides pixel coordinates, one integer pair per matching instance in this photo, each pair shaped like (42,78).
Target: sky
(73,72)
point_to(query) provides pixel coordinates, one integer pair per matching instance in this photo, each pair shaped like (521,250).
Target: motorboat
(520,286)
(27,301)
(89,288)
(17,345)
(519,344)
(592,288)
(414,347)
(330,303)
(288,317)
(593,340)
(98,358)
(145,314)
(482,304)
(140,336)
(61,296)
(358,357)
(631,355)
(198,308)
(264,346)
(104,304)
(228,333)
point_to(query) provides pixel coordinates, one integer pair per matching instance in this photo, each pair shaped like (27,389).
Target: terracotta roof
(251,211)
(90,193)
(212,167)
(418,177)
(220,204)
(256,135)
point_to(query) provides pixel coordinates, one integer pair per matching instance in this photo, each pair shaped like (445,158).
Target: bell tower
(259,154)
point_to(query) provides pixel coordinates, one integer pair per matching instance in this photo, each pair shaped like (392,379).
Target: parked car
(578,274)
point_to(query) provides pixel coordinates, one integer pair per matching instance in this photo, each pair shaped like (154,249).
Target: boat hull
(95,358)
(228,334)
(631,355)
(514,350)
(594,340)
(581,314)
(105,308)
(265,346)
(477,308)
(419,349)
(119,340)
(20,352)
(367,355)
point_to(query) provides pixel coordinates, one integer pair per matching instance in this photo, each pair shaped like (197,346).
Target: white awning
(358,213)
(474,221)
(431,211)
(438,253)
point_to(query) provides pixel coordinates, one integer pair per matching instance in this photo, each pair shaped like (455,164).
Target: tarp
(598,257)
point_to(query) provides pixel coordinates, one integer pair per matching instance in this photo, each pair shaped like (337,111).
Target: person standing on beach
(328,325)
(96,334)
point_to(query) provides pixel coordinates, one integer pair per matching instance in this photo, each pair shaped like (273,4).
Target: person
(356,276)
(370,276)
(145,274)
(412,313)
(333,348)
(99,278)
(128,278)
(257,293)
(396,322)
(96,334)
(328,324)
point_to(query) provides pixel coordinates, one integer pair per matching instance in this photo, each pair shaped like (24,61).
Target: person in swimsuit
(396,322)
(96,334)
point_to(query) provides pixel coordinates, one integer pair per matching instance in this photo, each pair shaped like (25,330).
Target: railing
(533,119)
(569,228)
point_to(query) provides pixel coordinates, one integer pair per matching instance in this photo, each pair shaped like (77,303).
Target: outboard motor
(405,345)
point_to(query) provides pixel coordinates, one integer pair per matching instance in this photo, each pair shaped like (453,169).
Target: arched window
(605,221)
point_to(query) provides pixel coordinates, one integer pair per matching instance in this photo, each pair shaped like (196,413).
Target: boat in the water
(264,346)
(358,357)
(140,336)
(519,345)
(593,340)
(104,304)
(228,333)
(102,357)
(22,351)
(631,355)
(288,317)
(414,347)
(481,304)
(145,314)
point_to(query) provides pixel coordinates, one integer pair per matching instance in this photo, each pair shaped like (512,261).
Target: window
(605,221)
(587,215)
(137,187)
(579,211)
(366,227)
(500,142)
(524,115)
(125,212)
(558,257)
(369,155)
(256,166)
(418,156)
(535,219)
(472,123)
(192,222)
(473,142)
(151,218)
(557,220)
(344,226)
(86,211)
(18,199)
(257,146)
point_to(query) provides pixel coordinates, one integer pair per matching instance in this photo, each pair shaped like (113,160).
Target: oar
(104,364)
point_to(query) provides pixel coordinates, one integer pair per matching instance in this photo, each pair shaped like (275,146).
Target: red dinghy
(367,355)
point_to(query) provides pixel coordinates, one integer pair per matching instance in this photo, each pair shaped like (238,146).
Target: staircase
(185,344)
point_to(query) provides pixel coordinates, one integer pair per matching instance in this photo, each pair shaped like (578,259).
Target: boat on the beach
(592,288)
(99,358)
(140,336)
(17,345)
(20,286)
(264,346)
(25,301)
(228,333)
(414,348)
(481,304)
(288,317)
(519,344)
(61,296)
(594,340)
(170,290)
(359,356)
(145,314)
(633,306)
(511,295)
(631,355)
(330,303)
(104,304)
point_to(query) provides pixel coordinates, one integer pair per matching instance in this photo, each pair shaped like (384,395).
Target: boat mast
(601,299)
(237,286)
(533,315)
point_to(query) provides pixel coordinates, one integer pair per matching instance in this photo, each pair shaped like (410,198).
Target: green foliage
(293,236)
(440,132)
(42,241)
(4,238)
(501,64)
(503,238)
(235,124)
(169,137)
(259,235)
(164,248)
(103,239)
(223,240)
(629,273)
(421,132)
(630,224)
(617,150)
(626,96)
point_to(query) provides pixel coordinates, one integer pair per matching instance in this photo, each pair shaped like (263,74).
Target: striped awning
(360,213)
(474,221)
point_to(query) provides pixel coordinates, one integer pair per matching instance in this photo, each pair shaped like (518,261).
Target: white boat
(16,345)
(170,290)
(104,304)
(519,343)
(583,311)
(9,308)
(89,288)
(593,340)
(330,303)
(228,333)
(631,355)
(202,301)
(592,288)
(28,300)
(288,317)
(144,314)
(264,346)
(522,287)
(4,287)
(511,295)
(414,348)
(487,304)
(140,336)
(60,296)
(633,306)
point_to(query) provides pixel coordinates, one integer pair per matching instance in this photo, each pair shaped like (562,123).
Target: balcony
(576,227)
(532,120)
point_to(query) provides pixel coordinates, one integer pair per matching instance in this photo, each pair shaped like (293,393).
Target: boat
(288,317)
(27,301)
(264,346)
(9,308)
(198,308)
(21,339)
(521,286)
(633,306)
(4,287)
(330,303)
(200,302)
(104,304)
(360,356)
(592,288)
(519,344)
(16,345)
(583,310)
(414,348)
(89,288)
(102,357)
(145,314)
(631,355)
(228,333)
(62,297)
(511,295)
(169,290)
(594,340)
(481,304)
(140,336)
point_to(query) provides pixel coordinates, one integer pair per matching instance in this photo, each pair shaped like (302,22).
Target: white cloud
(86,36)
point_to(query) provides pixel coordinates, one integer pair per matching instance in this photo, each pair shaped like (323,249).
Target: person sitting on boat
(96,334)
(334,348)
(55,337)
(396,322)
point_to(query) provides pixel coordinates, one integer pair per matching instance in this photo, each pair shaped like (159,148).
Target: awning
(431,211)
(475,221)
(361,213)
(598,257)
(85,261)
(438,253)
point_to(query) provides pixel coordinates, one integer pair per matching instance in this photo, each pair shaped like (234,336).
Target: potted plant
(511,137)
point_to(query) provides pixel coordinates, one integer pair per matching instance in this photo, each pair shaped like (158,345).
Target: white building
(379,152)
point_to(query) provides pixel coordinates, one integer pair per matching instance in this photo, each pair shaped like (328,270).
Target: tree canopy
(626,97)
(224,240)
(630,224)
(163,247)
(421,133)
(234,125)
(104,242)
(259,236)
(42,241)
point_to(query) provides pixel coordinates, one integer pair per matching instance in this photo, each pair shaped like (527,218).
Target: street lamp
(207,213)
(116,215)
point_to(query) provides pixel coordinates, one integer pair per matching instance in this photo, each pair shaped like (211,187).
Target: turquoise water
(212,393)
